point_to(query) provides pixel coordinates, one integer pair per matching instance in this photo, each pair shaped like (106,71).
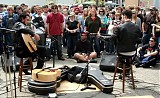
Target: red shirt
(55,21)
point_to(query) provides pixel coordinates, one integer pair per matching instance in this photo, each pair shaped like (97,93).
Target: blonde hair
(10,7)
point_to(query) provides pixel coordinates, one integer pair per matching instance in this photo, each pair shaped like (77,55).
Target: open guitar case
(96,77)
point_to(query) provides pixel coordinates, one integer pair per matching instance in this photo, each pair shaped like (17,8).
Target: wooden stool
(21,68)
(123,60)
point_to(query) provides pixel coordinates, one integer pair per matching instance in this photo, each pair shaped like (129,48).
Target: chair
(21,68)
(123,64)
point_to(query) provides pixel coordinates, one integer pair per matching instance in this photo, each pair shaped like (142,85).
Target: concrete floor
(147,81)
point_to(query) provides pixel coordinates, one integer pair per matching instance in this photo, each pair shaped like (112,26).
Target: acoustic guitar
(46,74)
(29,42)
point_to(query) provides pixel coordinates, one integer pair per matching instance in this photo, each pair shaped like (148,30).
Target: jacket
(127,36)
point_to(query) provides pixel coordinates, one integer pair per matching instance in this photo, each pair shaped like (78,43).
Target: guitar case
(41,88)
(46,74)
(96,77)
(108,62)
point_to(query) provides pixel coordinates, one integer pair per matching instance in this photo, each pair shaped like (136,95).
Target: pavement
(147,81)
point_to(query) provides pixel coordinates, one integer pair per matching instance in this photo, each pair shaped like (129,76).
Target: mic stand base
(87,86)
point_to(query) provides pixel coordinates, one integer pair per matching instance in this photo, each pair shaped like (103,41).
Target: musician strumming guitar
(25,46)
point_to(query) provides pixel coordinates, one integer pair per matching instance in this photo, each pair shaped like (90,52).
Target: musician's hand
(153,24)
(36,36)
(98,35)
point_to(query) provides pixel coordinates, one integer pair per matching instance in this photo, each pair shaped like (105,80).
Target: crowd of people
(67,28)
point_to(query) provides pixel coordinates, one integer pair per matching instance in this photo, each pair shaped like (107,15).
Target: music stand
(87,85)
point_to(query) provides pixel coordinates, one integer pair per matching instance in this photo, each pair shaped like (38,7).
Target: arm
(157,26)
(47,28)
(151,54)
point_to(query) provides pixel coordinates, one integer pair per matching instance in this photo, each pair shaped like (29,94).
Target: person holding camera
(38,25)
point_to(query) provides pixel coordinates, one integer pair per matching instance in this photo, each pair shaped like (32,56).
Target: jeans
(145,38)
(71,44)
(94,43)
(56,45)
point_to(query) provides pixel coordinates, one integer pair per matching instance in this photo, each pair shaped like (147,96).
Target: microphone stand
(6,61)
(87,85)
(52,43)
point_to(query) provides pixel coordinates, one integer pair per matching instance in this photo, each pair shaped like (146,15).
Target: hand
(36,36)
(146,55)
(98,35)
(153,24)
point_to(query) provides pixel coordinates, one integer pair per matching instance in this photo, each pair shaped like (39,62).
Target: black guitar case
(108,62)
(41,88)
(96,77)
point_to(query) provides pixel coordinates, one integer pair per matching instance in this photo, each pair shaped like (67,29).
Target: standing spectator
(7,22)
(93,26)
(136,19)
(65,33)
(72,26)
(55,29)
(39,25)
(84,16)
(146,25)
(104,20)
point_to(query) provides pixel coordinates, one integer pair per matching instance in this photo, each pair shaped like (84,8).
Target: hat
(84,33)
(153,8)
(72,14)
(76,8)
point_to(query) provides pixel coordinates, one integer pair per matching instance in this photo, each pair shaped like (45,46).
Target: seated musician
(83,49)
(21,49)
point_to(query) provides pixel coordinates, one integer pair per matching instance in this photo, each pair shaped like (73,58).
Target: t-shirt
(72,26)
(55,21)
(83,47)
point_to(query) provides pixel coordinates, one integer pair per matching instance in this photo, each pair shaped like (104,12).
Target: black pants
(40,53)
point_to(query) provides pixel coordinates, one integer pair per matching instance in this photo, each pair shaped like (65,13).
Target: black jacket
(20,47)
(127,36)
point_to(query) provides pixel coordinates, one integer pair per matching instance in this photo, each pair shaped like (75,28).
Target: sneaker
(61,58)
(26,72)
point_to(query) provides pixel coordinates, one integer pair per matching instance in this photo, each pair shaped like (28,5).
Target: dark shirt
(147,48)
(21,49)
(93,25)
(72,26)
(83,47)
(148,20)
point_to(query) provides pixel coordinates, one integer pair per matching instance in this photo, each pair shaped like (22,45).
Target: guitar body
(45,75)
(29,42)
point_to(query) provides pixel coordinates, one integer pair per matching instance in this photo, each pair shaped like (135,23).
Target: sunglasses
(54,8)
